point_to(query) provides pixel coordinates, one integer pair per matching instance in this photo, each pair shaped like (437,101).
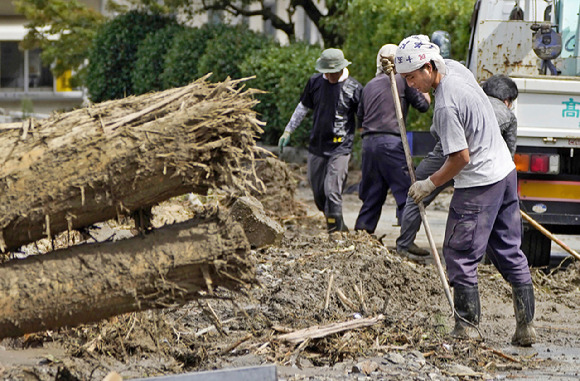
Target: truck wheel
(536,247)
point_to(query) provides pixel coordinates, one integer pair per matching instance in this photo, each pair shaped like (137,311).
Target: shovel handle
(545,232)
(403,132)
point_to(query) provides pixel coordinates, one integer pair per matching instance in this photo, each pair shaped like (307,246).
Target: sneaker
(416,250)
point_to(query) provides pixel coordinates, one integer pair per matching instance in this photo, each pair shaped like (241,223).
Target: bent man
(484,209)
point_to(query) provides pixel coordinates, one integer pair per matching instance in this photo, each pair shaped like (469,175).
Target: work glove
(283,141)
(421,189)
(388,63)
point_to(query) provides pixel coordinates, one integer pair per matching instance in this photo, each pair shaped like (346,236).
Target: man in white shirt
(484,210)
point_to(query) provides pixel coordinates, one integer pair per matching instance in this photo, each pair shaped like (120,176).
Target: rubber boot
(335,223)
(466,301)
(524,308)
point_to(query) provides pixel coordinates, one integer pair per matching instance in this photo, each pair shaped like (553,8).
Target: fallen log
(86,283)
(110,159)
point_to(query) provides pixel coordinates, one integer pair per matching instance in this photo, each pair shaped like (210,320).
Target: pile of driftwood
(93,164)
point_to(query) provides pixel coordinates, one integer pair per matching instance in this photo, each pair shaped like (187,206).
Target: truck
(536,44)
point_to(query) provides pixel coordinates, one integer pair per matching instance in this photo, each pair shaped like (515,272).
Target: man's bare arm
(453,165)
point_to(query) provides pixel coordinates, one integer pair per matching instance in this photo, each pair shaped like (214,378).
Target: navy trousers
(411,217)
(480,217)
(384,167)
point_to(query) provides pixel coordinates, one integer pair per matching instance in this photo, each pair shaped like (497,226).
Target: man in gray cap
(333,96)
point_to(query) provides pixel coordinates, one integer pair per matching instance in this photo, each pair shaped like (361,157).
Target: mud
(411,342)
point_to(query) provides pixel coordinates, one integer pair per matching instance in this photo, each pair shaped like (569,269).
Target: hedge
(151,59)
(182,58)
(228,51)
(113,54)
(283,73)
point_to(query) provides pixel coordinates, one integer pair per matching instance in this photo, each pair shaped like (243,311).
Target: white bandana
(415,51)
(386,51)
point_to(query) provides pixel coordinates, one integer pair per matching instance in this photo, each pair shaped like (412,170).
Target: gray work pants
(411,218)
(327,177)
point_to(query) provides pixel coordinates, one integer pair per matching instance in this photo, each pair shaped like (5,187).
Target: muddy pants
(327,177)
(411,217)
(383,166)
(485,216)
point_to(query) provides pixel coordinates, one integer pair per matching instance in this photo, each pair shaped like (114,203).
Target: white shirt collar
(342,78)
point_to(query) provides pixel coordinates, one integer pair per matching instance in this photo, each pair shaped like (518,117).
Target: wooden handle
(545,232)
(403,132)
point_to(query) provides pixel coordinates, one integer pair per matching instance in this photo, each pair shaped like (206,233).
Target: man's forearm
(297,117)
(453,165)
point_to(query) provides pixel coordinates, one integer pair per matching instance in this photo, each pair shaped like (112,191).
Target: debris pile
(117,157)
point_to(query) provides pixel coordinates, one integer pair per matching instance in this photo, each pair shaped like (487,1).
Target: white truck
(535,42)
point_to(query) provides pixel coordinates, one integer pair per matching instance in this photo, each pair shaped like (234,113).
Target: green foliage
(228,51)
(393,20)
(73,22)
(113,54)
(283,73)
(182,58)
(27,107)
(332,24)
(390,21)
(151,59)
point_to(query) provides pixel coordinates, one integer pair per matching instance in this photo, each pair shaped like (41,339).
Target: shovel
(403,132)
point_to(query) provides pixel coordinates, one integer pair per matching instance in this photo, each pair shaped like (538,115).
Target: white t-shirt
(463,118)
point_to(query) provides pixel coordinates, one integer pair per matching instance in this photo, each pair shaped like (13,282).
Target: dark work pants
(383,166)
(480,217)
(411,218)
(327,177)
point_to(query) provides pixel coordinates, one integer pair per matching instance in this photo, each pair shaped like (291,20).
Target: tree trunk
(91,282)
(93,164)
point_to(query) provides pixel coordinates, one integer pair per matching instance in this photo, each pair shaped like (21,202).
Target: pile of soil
(366,281)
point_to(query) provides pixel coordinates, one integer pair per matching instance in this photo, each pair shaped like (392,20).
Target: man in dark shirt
(384,165)
(333,96)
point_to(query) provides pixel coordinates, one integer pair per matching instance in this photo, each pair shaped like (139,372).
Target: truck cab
(536,43)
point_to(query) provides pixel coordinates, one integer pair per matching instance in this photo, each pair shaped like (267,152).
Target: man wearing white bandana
(333,96)
(484,210)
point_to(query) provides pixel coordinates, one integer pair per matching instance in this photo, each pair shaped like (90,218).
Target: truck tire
(536,247)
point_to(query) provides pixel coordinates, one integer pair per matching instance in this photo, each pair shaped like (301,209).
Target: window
(11,67)
(22,70)
(39,76)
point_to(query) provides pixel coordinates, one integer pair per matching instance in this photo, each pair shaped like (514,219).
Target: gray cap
(331,61)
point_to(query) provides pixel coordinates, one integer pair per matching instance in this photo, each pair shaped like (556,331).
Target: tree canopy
(360,27)
(63,30)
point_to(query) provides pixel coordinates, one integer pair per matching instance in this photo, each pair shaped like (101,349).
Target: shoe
(416,250)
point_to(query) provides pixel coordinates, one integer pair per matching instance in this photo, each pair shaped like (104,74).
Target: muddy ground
(410,340)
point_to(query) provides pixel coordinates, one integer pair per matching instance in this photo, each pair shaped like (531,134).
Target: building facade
(27,86)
